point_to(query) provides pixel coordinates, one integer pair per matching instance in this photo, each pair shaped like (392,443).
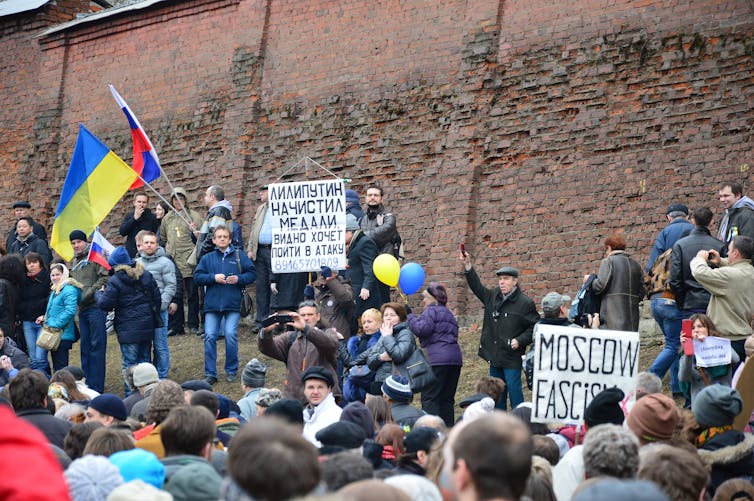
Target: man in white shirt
(321,409)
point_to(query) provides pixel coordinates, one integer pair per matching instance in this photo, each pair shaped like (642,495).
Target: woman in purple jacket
(437,331)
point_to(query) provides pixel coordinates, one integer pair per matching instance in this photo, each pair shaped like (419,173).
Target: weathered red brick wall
(528,130)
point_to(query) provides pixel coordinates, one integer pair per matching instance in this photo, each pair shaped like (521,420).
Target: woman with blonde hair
(351,350)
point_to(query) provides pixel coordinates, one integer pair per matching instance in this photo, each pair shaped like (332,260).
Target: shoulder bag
(49,338)
(420,373)
(247,305)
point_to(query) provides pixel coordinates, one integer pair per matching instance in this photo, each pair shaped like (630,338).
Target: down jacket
(62,307)
(399,346)
(620,284)
(132,293)
(163,271)
(437,331)
(728,455)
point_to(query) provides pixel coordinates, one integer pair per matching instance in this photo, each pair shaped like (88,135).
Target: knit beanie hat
(420,439)
(77,235)
(479,409)
(137,489)
(144,374)
(92,478)
(398,388)
(254,374)
(437,291)
(139,464)
(197,480)
(352,224)
(716,405)
(119,256)
(605,408)
(654,417)
(352,196)
(110,405)
(268,396)
(359,414)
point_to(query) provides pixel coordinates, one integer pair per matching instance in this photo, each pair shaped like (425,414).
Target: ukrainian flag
(96,181)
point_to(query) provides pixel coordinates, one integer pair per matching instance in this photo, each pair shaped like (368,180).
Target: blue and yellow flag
(96,180)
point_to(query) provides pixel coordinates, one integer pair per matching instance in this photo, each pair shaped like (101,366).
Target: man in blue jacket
(224,271)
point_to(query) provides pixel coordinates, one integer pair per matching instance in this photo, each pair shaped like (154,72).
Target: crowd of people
(344,424)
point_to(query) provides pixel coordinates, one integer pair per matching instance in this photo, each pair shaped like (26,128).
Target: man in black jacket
(690,296)
(140,219)
(509,318)
(28,394)
(21,209)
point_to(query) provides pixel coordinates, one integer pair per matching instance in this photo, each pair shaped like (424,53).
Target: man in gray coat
(155,261)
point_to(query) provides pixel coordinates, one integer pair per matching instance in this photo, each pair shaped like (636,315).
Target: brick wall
(528,131)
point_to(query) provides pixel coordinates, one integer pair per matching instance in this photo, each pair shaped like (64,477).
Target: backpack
(659,276)
(587,302)
(397,241)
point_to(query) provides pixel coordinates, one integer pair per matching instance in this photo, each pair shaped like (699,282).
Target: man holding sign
(509,318)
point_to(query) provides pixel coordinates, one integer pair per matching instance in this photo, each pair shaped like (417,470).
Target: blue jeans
(513,388)
(132,354)
(212,321)
(37,356)
(161,350)
(668,316)
(93,347)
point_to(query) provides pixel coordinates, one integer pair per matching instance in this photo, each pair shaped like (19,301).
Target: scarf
(722,232)
(56,288)
(708,433)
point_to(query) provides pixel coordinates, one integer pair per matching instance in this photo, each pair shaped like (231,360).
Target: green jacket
(91,276)
(177,237)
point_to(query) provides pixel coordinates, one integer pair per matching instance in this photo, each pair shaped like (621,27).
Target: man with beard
(380,225)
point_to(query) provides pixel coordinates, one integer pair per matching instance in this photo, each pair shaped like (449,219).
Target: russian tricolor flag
(145,161)
(100,250)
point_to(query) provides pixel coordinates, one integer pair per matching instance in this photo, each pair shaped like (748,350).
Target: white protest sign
(572,365)
(308,225)
(712,351)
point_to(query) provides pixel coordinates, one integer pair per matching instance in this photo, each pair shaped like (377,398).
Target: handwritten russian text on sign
(712,351)
(573,365)
(308,226)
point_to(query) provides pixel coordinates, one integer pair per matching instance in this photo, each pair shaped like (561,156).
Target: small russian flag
(100,250)
(145,161)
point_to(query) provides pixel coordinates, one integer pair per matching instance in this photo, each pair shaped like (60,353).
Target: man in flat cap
(21,209)
(509,318)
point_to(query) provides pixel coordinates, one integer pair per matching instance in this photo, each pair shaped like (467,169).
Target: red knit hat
(654,418)
(27,446)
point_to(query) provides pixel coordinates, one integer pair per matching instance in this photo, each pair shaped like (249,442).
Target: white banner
(572,365)
(712,351)
(308,225)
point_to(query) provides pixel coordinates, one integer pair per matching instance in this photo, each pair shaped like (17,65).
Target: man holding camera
(300,340)
(732,303)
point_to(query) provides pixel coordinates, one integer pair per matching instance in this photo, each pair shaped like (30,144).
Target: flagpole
(159,195)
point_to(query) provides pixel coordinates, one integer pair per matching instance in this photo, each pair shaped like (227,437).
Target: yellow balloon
(387,269)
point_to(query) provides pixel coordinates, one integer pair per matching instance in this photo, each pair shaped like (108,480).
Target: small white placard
(713,351)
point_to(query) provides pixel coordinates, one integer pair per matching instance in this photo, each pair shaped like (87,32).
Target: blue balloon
(411,278)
